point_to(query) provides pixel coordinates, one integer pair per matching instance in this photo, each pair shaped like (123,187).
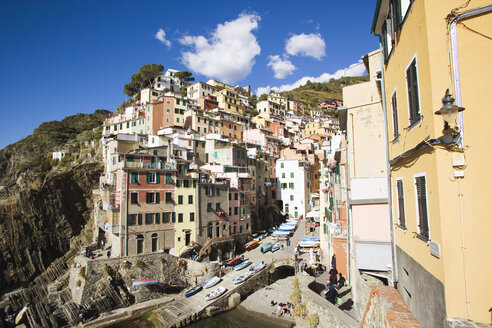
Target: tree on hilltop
(143,78)
(263,97)
(185,77)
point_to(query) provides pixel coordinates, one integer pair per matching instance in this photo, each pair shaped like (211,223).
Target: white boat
(211,282)
(275,247)
(215,293)
(257,267)
(241,278)
(242,265)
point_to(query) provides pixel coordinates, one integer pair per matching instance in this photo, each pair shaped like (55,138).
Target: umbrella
(144,282)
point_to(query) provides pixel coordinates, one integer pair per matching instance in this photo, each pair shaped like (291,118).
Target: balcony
(245,216)
(108,206)
(145,165)
(114,229)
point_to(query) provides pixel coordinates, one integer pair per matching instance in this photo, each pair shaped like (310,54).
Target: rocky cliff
(37,226)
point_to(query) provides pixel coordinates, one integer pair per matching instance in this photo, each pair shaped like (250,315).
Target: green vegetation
(185,78)
(82,272)
(142,79)
(139,264)
(313,92)
(33,153)
(313,320)
(263,97)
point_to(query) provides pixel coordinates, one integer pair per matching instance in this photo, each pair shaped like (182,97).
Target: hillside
(313,92)
(33,153)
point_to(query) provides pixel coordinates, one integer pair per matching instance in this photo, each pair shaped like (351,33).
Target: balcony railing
(144,165)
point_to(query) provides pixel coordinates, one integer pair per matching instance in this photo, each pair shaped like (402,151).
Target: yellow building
(439,179)
(228,100)
(186,207)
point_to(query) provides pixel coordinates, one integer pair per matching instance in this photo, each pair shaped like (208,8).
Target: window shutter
(422,206)
(157,177)
(139,219)
(396,14)
(147,218)
(395,115)
(147,197)
(413,93)
(148,177)
(401,209)
(157,197)
(157,218)
(173,219)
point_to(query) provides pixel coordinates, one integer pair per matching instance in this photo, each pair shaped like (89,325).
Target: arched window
(155,242)
(140,244)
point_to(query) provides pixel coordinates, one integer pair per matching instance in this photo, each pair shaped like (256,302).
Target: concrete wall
(371,222)
(421,291)
(367,188)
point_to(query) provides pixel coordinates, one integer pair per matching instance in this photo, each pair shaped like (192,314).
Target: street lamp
(449,112)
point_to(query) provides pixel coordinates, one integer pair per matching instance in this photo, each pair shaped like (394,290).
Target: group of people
(283,308)
(334,283)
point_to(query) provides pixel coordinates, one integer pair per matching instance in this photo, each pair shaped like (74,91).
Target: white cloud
(310,45)
(281,67)
(161,36)
(356,69)
(228,54)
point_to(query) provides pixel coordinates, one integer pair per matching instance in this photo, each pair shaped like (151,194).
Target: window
(180,199)
(236,211)
(132,219)
(281,165)
(169,178)
(149,218)
(400,203)
(169,197)
(217,206)
(413,92)
(157,217)
(153,177)
(140,244)
(291,197)
(283,175)
(166,217)
(186,183)
(394,107)
(236,196)
(173,217)
(190,199)
(423,216)
(291,185)
(139,219)
(152,197)
(192,217)
(180,217)
(291,174)
(134,198)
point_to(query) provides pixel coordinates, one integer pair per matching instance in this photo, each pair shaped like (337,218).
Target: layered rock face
(37,226)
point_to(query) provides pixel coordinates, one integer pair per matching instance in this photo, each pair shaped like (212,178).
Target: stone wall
(386,308)
(162,267)
(329,315)
(362,286)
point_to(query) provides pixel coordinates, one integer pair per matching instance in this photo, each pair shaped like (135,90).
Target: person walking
(331,293)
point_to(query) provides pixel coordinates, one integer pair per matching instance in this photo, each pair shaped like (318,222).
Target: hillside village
(385,186)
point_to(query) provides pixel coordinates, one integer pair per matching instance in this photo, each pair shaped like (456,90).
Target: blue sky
(59,58)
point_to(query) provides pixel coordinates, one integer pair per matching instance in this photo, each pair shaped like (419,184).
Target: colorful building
(439,176)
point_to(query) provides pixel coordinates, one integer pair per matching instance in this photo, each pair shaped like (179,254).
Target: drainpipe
(455,59)
(394,271)
(349,217)
(457,91)
(126,211)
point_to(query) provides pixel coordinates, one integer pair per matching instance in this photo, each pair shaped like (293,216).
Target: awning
(312,214)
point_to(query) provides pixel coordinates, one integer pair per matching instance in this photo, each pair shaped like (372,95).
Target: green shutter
(422,206)
(401,208)
(157,177)
(157,197)
(139,219)
(173,217)
(148,177)
(192,217)
(157,218)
